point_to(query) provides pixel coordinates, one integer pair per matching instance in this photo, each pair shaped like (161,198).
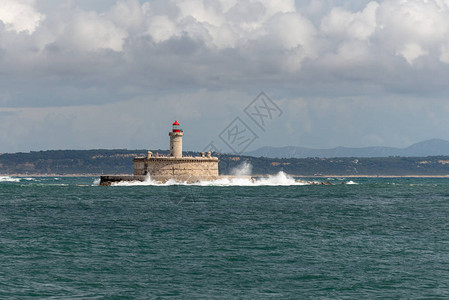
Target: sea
(272,238)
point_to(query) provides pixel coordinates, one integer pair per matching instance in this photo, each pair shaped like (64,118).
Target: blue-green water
(381,238)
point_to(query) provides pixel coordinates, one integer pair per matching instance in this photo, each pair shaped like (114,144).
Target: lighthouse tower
(176,140)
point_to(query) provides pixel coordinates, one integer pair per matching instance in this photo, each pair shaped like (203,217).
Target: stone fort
(175,165)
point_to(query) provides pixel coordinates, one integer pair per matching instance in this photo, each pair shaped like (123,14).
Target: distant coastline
(73,163)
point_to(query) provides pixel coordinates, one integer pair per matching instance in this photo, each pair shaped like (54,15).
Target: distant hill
(433,147)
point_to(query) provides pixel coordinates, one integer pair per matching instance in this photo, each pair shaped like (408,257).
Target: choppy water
(380,238)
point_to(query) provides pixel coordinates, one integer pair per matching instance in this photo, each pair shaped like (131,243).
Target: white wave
(245,169)
(96,181)
(147,181)
(351,182)
(280,179)
(9,179)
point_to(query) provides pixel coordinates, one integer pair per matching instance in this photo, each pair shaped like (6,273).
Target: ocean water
(68,238)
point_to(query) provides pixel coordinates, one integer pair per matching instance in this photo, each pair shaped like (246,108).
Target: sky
(237,75)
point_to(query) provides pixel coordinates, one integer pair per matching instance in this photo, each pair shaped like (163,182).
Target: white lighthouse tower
(176,140)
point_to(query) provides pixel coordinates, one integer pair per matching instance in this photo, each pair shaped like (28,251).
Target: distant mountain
(431,147)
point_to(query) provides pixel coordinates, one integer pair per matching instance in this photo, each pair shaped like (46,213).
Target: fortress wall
(139,167)
(176,167)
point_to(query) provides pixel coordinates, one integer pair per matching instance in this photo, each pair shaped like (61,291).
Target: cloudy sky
(82,74)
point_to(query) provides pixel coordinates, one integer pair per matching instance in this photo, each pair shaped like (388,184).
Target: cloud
(20,15)
(154,45)
(133,46)
(414,28)
(88,31)
(344,24)
(95,54)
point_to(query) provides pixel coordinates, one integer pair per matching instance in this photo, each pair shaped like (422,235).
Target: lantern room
(176,127)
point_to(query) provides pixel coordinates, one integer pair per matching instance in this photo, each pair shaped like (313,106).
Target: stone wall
(185,169)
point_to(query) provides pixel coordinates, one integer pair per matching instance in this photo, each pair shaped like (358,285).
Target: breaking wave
(245,169)
(9,179)
(280,179)
(240,176)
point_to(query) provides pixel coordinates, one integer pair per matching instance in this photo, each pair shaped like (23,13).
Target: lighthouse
(176,140)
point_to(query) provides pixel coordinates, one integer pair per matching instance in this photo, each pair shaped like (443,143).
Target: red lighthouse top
(176,127)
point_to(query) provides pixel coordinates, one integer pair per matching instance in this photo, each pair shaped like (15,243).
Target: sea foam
(280,179)
(240,176)
(9,179)
(245,169)
(351,182)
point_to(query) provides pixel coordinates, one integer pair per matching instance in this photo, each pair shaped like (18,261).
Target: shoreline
(255,175)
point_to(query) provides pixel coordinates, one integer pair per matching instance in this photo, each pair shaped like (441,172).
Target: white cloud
(412,51)
(414,28)
(88,31)
(20,15)
(293,30)
(161,28)
(201,11)
(128,15)
(347,25)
